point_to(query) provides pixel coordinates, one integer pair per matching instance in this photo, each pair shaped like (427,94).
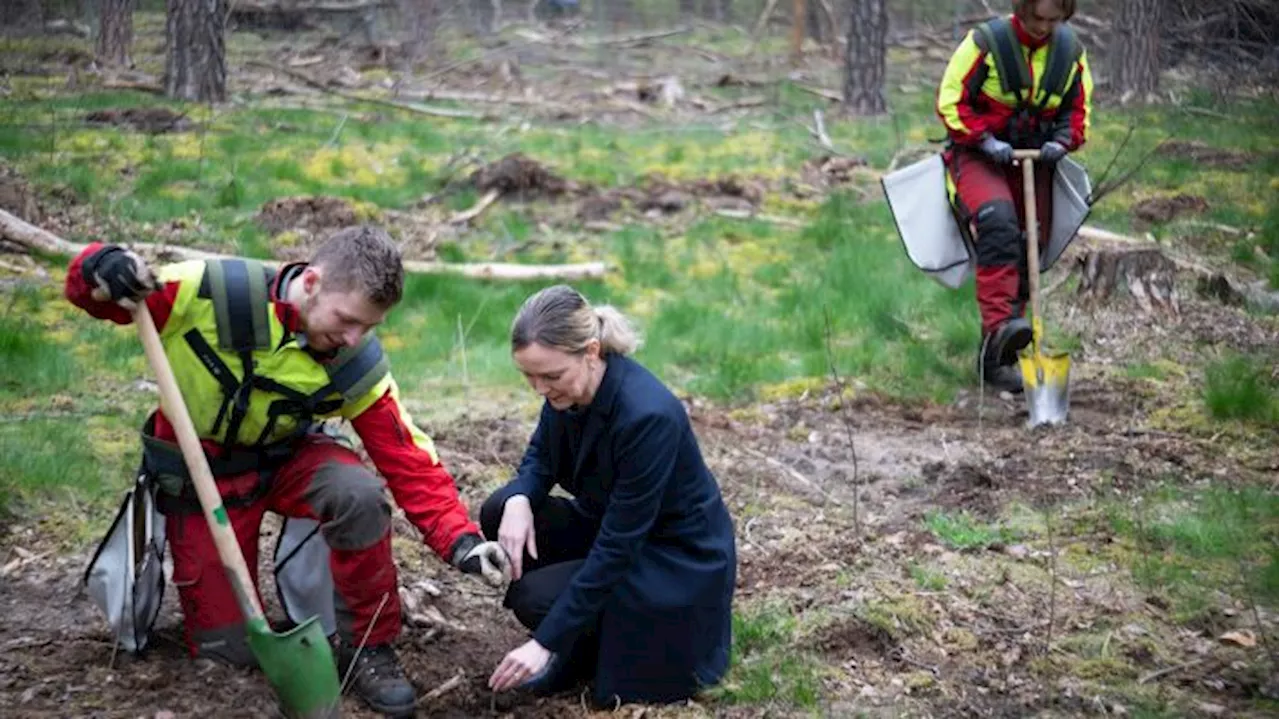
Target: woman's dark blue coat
(658,581)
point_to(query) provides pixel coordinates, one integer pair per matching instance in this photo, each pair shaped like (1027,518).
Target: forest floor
(907,546)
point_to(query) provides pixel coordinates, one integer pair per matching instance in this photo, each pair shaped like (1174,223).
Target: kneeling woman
(629,583)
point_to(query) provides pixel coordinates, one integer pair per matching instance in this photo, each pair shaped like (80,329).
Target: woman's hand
(515,533)
(520,665)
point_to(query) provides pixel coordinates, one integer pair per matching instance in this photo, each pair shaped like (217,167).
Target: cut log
(1150,277)
(35,239)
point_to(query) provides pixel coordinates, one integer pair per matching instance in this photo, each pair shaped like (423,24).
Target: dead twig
(449,685)
(831,95)
(474,211)
(1169,670)
(848,424)
(352,97)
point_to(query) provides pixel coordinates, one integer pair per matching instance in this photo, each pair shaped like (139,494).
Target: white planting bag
(917,196)
(304,580)
(125,578)
(931,236)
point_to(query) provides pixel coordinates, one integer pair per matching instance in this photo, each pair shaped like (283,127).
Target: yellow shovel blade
(1045,382)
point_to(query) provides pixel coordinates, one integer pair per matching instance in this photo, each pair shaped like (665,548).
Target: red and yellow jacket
(972,101)
(402,453)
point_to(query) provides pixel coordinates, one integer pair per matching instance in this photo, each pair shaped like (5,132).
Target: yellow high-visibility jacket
(975,97)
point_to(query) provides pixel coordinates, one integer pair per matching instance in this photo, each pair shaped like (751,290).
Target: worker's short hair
(362,258)
(1022,7)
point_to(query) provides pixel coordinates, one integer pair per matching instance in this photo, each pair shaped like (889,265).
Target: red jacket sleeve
(80,293)
(418,482)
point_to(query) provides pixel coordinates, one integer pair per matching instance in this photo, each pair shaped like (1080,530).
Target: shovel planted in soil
(298,663)
(1045,377)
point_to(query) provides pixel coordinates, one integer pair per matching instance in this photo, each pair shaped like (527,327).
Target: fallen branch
(772,219)
(749,101)
(410,107)
(831,95)
(461,96)
(139,85)
(628,39)
(452,683)
(475,210)
(820,131)
(36,239)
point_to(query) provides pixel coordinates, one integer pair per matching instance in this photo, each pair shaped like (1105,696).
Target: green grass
(48,463)
(1191,545)
(926,578)
(962,531)
(1243,388)
(766,666)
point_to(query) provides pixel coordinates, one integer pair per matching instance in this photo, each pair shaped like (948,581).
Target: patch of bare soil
(656,195)
(851,638)
(520,175)
(831,171)
(1163,209)
(1205,155)
(314,214)
(151,120)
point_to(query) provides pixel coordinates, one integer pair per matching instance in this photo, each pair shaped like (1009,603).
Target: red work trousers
(323,481)
(988,199)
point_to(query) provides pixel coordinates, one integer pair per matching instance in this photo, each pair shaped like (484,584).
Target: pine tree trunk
(195,59)
(115,32)
(864,58)
(1137,70)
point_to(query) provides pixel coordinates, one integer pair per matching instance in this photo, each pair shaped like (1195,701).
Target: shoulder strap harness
(238,289)
(997,37)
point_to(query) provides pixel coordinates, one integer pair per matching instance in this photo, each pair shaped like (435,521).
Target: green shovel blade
(299,665)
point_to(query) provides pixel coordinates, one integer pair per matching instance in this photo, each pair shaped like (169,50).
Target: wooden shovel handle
(1033,241)
(175,409)
(1026,154)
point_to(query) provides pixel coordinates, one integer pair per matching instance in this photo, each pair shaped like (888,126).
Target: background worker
(1020,81)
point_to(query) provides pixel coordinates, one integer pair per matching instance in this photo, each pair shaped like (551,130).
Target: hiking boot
(1003,378)
(998,356)
(377,678)
(1008,340)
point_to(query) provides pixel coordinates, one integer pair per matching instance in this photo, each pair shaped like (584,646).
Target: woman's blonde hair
(561,318)
(1022,7)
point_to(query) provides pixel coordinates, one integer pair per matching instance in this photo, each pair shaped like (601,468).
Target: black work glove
(1052,151)
(999,151)
(473,555)
(118,275)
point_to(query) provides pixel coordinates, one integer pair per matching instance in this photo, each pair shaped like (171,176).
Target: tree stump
(1150,276)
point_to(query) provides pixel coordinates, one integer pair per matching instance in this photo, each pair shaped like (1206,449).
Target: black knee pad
(999,238)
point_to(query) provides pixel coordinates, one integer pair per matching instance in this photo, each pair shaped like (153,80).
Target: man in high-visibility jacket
(260,357)
(1022,82)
